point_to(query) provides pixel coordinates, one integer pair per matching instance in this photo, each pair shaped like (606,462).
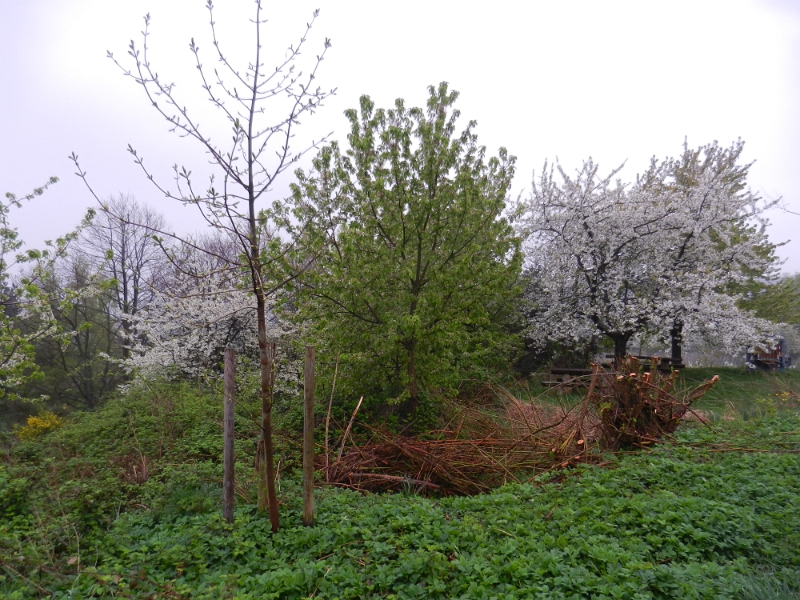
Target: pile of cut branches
(636,409)
(485,447)
(514,440)
(445,466)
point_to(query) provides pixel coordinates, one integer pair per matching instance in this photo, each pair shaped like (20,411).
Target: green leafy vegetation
(417,265)
(745,394)
(401,258)
(125,502)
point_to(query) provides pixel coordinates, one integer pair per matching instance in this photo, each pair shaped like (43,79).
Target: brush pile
(637,409)
(444,466)
(511,440)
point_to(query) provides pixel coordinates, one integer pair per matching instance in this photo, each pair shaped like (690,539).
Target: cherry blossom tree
(719,246)
(622,260)
(198,309)
(717,320)
(592,248)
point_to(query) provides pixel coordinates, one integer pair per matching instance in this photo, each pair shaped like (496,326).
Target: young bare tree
(263,106)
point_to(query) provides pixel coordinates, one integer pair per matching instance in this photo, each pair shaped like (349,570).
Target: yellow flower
(38,425)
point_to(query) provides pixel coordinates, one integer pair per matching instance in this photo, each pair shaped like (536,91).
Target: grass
(712,514)
(746,394)
(739,394)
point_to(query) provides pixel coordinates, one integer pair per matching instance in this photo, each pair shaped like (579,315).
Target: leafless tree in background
(120,243)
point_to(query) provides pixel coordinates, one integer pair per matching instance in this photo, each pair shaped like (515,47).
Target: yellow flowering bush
(38,425)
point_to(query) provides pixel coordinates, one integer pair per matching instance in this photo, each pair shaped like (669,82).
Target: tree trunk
(410,406)
(127,339)
(676,335)
(308,438)
(620,347)
(266,465)
(228,478)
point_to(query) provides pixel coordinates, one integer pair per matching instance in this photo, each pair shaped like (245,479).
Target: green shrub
(38,425)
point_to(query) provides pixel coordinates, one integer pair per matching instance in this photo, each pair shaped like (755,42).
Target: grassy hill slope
(125,502)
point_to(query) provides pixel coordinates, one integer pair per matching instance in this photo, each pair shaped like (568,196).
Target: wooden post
(228,459)
(308,439)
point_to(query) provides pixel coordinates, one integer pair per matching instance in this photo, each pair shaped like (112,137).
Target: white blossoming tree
(591,249)
(198,309)
(718,247)
(622,260)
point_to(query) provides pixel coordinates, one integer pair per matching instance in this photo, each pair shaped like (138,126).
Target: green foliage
(415,266)
(736,395)
(716,514)
(81,367)
(770,585)
(62,489)
(16,348)
(26,308)
(779,301)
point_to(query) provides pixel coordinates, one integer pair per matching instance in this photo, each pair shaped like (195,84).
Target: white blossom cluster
(616,260)
(186,327)
(716,320)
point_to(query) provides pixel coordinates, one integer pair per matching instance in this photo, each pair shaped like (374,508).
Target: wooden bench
(568,379)
(664,362)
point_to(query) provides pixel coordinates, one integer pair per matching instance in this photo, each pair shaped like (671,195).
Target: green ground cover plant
(714,513)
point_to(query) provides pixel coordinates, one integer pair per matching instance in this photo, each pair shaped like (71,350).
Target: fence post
(308,439)
(228,459)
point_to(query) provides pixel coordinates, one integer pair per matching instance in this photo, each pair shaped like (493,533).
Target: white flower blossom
(604,258)
(187,326)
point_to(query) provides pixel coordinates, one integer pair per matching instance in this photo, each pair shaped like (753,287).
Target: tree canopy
(617,260)
(415,265)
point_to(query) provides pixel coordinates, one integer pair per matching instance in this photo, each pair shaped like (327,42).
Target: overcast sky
(617,81)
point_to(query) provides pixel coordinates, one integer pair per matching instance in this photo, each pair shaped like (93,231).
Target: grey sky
(609,79)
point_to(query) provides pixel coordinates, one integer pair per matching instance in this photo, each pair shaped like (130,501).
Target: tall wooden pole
(227,454)
(308,439)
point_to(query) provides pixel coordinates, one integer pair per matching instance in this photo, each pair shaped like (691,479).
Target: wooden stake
(228,458)
(265,464)
(308,439)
